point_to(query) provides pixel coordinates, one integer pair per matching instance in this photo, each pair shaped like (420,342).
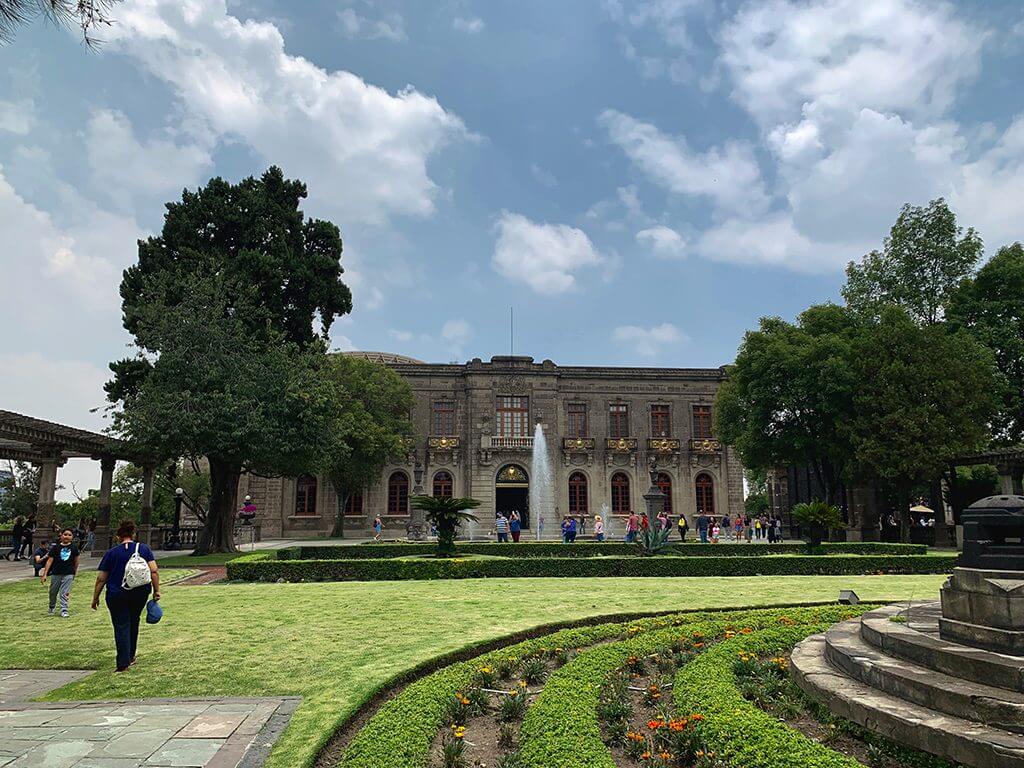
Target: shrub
(261,567)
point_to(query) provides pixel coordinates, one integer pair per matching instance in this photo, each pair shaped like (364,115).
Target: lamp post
(174,542)
(416,522)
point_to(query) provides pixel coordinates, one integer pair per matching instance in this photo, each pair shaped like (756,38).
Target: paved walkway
(169,733)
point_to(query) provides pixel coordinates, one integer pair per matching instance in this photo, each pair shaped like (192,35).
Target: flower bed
(591,549)
(263,566)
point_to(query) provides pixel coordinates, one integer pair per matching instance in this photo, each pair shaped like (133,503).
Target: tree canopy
(922,262)
(88,15)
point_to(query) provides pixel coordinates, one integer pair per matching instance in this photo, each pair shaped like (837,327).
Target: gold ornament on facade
(620,444)
(705,445)
(663,445)
(444,443)
(578,444)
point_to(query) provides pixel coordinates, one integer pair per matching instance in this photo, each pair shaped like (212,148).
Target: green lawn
(334,643)
(190,561)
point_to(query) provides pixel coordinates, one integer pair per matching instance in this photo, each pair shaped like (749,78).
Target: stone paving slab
(149,733)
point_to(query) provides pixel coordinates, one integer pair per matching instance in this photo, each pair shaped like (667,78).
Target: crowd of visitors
(24,531)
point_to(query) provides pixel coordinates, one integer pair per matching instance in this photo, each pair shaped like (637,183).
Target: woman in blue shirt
(125,605)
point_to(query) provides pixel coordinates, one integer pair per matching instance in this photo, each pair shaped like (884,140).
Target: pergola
(1009,462)
(49,445)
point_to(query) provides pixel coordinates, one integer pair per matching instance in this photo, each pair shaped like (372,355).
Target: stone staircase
(891,672)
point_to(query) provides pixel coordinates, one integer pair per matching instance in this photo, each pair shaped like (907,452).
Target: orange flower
(655,724)
(665,755)
(645,756)
(696,718)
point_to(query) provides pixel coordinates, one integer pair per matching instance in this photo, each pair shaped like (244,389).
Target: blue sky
(641,180)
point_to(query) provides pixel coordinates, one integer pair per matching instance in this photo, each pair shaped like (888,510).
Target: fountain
(542,492)
(607,518)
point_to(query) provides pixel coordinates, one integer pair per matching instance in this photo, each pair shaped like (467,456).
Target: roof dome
(386,358)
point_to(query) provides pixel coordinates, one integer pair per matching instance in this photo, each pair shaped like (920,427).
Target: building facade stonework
(474,434)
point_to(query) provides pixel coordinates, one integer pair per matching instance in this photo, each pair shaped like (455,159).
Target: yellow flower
(522,683)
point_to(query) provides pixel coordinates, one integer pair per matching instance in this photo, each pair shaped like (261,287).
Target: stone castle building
(475,426)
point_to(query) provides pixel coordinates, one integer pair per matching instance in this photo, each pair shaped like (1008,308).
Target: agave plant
(447,514)
(653,540)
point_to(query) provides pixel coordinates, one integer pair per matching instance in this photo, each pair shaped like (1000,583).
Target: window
(705,494)
(577,494)
(664,483)
(305,496)
(398,494)
(701,422)
(576,422)
(443,485)
(513,416)
(620,494)
(354,505)
(618,420)
(660,421)
(443,423)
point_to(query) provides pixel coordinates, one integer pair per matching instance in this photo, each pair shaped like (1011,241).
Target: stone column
(47,488)
(146,518)
(103,537)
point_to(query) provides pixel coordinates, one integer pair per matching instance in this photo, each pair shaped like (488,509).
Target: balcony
(662,445)
(445,443)
(705,445)
(620,444)
(578,444)
(507,443)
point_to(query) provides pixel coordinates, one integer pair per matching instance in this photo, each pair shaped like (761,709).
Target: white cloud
(543,176)
(400,335)
(124,167)
(17,117)
(992,188)
(849,54)
(390,27)
(544,256)
(648,342)
(471,25)
(458,332)
(362,151)
(342,343)
(728,175)
(663,241)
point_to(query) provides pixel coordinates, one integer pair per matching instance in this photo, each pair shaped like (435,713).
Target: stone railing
(501,441)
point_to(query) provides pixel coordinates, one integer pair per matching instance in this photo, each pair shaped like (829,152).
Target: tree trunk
(218,534)
(338,529)
(903,499)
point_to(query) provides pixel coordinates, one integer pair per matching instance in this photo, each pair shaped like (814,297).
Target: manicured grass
(335,643)
(191,561)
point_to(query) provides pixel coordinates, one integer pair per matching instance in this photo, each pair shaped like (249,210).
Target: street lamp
(174,542)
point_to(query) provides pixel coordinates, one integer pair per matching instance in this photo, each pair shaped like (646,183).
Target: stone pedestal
(985,609)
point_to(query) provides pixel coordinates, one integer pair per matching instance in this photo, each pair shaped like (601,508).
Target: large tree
(222,307)
(923,260)
(373,426)
(924,395)
(991,307)
(87,15)
(790,391)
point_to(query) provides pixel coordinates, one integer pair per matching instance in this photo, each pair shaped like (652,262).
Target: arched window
(620,494)
(664,483)
(705,487)
(305,496)
(443,485)
(578,494)
(354,505)
(398,494)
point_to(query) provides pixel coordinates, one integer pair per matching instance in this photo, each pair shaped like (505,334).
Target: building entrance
(512,493)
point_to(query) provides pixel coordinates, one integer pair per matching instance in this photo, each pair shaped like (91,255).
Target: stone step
(910,641)
(847,651)
(953,738)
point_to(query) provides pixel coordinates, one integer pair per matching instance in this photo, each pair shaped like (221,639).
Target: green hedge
(743,735)
(528,549)
(261,567)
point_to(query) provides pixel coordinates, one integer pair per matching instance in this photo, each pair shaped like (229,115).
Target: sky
(641,181)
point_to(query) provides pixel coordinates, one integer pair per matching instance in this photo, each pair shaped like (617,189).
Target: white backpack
(136,571)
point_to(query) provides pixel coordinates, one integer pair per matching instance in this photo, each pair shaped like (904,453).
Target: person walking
(515,525)
(715,531)
(757,528)
(378,526)
(571,530)
(683,527)
(663,522)
(703,523)
(39,556)
(726,526)
(61,568)
(738,528)
(748,526)
(119,572)
(632,526)
(27,535)
(598,528)
(16,530)
(90,538)
(501,526)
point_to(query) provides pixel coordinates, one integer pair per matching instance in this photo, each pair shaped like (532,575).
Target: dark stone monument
(983,601)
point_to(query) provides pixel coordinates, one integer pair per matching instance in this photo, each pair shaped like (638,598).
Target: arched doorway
(512,492)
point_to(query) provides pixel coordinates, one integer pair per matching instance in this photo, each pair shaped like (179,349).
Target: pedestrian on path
(378,526)
(61,567)
(27,535)
(40,555)
(598,528)
(515,525)
(501,526)
(703,523)
(632,526)
(683,526)
(119,572)
(16,530)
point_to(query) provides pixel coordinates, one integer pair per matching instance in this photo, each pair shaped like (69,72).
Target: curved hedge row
(592,549)
(743,735)
(261,567)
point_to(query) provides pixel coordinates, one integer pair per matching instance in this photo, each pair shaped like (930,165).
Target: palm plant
(447,514)
(653,539)
(817,517)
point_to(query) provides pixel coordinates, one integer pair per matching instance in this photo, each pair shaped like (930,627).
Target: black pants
(125,613)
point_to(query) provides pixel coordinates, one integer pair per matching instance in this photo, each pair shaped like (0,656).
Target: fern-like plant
(817,518)
(447,514)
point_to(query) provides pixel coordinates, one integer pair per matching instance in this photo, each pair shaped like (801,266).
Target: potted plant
(447,514)
(817,518)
